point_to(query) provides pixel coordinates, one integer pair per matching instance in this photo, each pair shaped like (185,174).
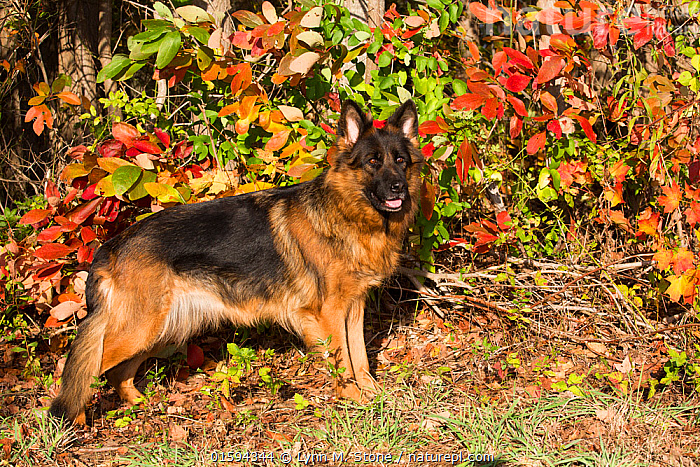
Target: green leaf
(59,83)
(151,47)
(139,191)
(444,21)
(454,12)
(386,82)
(150,34)
(169,47)
(119,62)
(459,87)
(205,55)
(194,14)
(201,34)
(164,193)
(362,36)
(385,59)
(124,178)
(693,9)
(435,4)
(129,72)
(163,11)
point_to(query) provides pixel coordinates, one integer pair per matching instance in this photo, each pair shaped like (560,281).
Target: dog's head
(386,161)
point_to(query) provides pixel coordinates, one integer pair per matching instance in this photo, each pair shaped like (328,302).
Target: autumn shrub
(580,115)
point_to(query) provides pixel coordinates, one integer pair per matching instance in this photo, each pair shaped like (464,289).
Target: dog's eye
(400,159)
(373,161)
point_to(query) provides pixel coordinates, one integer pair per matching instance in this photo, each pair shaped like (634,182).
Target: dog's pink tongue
(393,203)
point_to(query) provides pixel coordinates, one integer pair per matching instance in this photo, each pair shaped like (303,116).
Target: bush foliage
(581,114)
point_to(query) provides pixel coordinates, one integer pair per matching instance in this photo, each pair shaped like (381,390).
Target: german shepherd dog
(303,256)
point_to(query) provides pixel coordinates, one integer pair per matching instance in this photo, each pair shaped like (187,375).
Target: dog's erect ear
(406,119)
(353,122)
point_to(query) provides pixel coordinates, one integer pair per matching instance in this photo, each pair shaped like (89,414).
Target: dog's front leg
(358,351)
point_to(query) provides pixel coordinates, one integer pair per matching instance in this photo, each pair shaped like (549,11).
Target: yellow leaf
(110,164)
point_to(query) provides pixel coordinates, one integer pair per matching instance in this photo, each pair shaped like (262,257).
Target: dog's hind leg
(121,377)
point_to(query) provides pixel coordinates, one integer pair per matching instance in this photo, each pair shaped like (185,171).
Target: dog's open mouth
(391,205)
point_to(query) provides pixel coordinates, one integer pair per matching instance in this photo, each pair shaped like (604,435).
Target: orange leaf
(82,212)
(536,143)
(671,198)
(485,14)
(52,251)
(682,261)
(549,16)
(65,310)
(549,101)
(229,109)
(550,69)
(34,216)
(277,141)
(50,234)
(125,133)
(69,97)
(663,259)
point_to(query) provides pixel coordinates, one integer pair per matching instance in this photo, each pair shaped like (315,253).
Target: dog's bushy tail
(82,366)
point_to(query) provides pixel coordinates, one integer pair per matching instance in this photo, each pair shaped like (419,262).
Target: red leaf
(550,69)
(147,146)
(52,251)
(492,108)
(125,133)
(517,82)
(694,171)
(503,219)
(427,199)
(87,234)
(586,126)
(518,106)
(163,137)
(485,14)
(50,234)
(682,261)
(195,356)
(85,254)
(536,143)
(428,150)
(464,160)
(35,216)
(555,128)
(111,148)
(692,214)
(431,127)
(600,35)
(642,37)
(468,102)
(519,58)
(82,212)
(516,126)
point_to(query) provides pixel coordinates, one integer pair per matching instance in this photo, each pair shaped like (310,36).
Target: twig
(423,290)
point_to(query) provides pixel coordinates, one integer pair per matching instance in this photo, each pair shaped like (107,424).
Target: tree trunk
(371,13)
(104,47)
(77,41)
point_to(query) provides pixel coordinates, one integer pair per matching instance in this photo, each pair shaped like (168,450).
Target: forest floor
(525,365)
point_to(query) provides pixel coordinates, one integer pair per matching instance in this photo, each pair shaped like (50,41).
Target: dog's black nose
(397,187)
